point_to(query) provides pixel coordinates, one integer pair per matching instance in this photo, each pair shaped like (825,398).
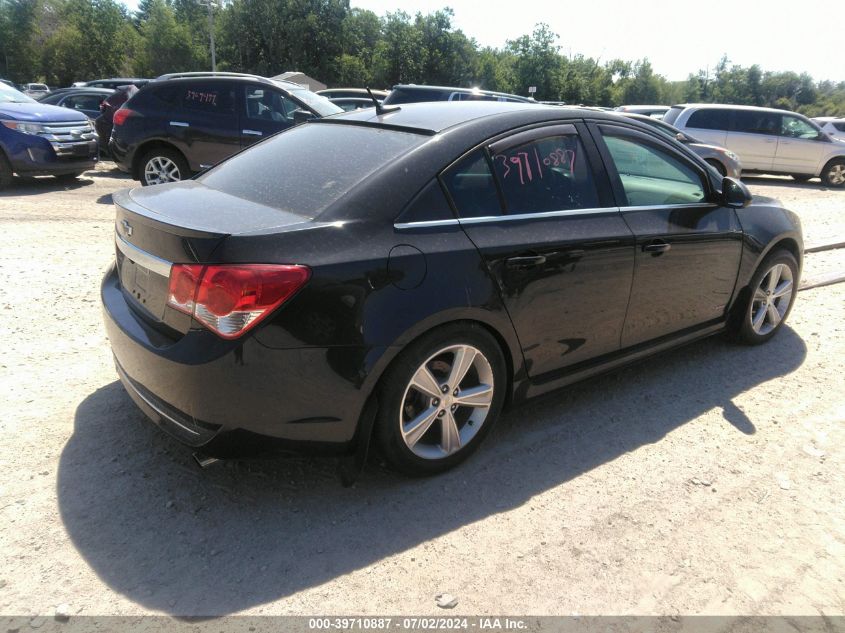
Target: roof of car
(461,90)
(722,106)
(433,117)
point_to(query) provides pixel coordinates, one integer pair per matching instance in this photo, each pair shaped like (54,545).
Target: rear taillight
(229,300)
(121,115)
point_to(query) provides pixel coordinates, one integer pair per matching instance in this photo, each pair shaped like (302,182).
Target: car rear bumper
(211,393)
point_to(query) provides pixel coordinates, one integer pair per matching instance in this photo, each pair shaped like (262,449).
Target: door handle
(179,124)
(657,247)
(529,261)
(252,132)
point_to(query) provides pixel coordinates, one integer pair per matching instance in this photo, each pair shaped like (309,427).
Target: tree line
(62,41)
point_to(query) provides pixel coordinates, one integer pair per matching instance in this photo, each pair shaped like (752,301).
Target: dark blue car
(42,140)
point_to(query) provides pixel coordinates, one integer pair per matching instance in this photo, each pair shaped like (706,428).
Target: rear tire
(833,174)
(770,297)
(5,172)
(425,425)
(717,166)
(163,165)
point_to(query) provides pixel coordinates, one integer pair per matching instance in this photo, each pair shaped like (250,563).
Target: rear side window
(213,98)
(472,188)
(651,176)
(839,126)
(547,174)
(308,167)
(429,205)
(166,95)
(709,119)
(757,122)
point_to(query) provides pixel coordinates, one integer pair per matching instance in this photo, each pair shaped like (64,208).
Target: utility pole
(209,4)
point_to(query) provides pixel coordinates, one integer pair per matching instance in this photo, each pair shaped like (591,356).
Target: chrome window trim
(485,219)
(147,260)
(656,207)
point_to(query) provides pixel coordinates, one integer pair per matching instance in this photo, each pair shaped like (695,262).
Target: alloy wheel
(836,174)
(161,169)
(771,299)
(446,402)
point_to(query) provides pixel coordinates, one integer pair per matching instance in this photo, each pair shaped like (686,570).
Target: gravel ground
(707,480)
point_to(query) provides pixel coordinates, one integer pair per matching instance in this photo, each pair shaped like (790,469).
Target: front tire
(440,399)
(771,295)
(833,174)
(163,165)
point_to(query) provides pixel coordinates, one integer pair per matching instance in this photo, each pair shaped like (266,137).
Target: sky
(678,37)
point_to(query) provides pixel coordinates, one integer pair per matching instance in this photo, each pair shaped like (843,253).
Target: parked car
(117,82)
(418,271)
(352,103)
(722,160)
(654,111)
(105,121)
(42,140)
(834,126)
(85,100)
(181,124)
(412,93)
(11,84)
(766,140)
(35,90)
(360,93)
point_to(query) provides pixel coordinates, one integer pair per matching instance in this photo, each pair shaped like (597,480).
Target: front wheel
(772,293)
(163,165)
(833,174)
(440,399)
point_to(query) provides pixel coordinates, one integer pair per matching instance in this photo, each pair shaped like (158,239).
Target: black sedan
(410,272)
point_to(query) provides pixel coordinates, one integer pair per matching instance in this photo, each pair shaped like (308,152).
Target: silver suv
(766,140)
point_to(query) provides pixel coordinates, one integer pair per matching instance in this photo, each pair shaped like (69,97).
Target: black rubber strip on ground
(826,246)
(822,280)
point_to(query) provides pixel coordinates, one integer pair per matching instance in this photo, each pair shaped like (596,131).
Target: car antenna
(381,109)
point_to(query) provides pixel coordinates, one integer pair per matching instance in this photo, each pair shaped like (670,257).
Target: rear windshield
(307,168)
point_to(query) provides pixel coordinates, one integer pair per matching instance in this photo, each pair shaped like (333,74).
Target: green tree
(166,44)
(18,29)
(536,61)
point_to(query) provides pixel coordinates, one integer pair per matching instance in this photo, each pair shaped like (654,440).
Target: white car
(766,140)
(36,90)
(834,126)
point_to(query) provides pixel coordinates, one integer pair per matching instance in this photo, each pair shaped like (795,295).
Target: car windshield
(10,95)
(320,104)
(308,167)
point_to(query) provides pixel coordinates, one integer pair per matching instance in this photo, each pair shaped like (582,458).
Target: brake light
(121,115)
(231,299)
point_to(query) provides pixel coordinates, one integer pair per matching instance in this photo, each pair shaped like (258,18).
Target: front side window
(651,176)
(794,127)
(264,104)
(83,102)
(547,174)
(757,122)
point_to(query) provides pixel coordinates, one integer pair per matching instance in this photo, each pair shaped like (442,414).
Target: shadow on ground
(44,184)
(789,183)
(176,539)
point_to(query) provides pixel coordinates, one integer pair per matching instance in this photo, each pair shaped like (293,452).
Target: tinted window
(548,174)
(306,168)
(83,102)
(265,104)
(51,99)
(429,205)
(472,188)
(708,119)
(159,96)
(795,127)
(652,176)
(757,122)
(212,98)
(839,126)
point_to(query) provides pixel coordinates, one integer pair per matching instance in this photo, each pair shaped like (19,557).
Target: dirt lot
(708,480)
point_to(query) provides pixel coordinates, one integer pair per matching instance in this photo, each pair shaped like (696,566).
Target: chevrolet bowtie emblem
(127,228)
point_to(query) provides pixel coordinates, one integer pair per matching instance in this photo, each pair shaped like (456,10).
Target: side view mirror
(734,193)
(301,116)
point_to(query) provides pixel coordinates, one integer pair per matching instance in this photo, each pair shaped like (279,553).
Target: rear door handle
(529,261)
(657,247)
(179,124)
(252,132)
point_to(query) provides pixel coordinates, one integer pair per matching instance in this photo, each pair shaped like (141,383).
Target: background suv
(181,124)
(37,139)
(834,126)
(766,140)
